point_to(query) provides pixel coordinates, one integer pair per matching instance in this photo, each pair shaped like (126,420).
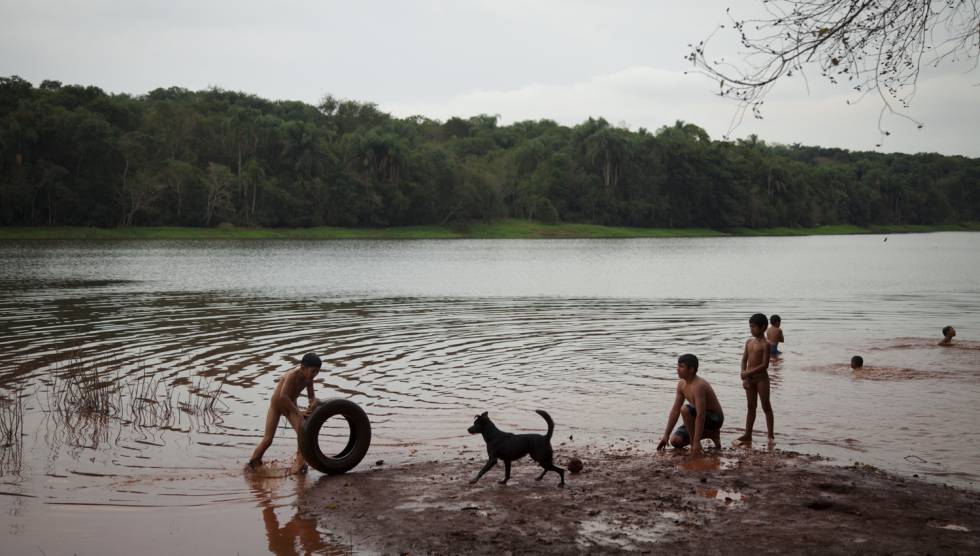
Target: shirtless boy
(948,333)
(755,376)
(283,404)
(774,335)
(702,415)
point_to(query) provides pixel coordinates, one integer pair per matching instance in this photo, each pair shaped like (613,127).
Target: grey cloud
(564,60)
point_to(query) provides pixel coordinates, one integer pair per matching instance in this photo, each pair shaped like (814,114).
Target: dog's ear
(484,414)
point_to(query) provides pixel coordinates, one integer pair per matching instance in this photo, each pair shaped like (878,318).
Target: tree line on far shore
(75,155)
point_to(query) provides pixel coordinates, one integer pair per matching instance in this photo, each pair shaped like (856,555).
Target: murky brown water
(189,337)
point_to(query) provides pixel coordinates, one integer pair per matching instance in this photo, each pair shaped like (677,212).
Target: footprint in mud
(822,504)
(837,488)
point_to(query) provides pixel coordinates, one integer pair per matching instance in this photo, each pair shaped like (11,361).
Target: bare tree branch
(873,46)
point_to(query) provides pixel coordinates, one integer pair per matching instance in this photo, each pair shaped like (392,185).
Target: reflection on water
(134,359)
(297,535)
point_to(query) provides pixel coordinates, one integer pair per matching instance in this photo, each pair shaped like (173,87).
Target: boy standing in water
(755,376)
(948,333)
(774,335)
(702,415)
(283,404)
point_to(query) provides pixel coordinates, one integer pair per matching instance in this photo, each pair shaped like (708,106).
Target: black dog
(509,447)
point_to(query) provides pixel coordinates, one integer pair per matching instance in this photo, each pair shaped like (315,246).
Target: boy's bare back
(774,334)
(697,386)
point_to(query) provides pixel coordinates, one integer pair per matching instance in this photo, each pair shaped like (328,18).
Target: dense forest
(75,155)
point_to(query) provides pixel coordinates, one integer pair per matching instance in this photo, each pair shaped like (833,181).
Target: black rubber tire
(357,446)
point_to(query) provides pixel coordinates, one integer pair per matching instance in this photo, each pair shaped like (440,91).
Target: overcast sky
(562,60)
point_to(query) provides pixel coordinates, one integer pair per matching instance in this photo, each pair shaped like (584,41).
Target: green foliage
(501,229)
(72,155)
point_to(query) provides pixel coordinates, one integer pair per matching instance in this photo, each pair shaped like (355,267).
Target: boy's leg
(715,437)
(766,406)
(296,421)
(682,438)
(271,424)
(714,433)
(751,394)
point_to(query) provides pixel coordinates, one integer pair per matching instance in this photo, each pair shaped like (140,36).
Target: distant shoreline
(506,229)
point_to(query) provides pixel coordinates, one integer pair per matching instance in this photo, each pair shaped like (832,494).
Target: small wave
(869,372)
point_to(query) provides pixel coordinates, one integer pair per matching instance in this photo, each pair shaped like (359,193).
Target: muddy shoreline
(733,501)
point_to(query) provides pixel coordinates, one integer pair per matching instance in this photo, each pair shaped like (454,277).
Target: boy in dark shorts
(702,415)
(283,404)
(755,377)
(774,335)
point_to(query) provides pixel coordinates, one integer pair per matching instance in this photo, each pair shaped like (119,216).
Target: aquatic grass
(206,396)
(11,432)
(156,403)
(151,401)
(11,419)
(88,389)
(87,397)
(75,386)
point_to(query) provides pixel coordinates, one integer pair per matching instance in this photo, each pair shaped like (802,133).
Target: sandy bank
(732,502)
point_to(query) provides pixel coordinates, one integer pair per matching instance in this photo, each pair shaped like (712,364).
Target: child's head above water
(758,324)
(949,331)
(857,362)
(775,320)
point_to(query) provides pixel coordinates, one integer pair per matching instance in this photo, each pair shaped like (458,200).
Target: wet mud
(626,500)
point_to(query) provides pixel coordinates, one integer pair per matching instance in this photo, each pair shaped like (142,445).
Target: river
(185,339)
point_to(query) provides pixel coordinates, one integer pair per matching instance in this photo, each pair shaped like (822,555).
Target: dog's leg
(506,472)
(548,466)
(556,469)
(490,464)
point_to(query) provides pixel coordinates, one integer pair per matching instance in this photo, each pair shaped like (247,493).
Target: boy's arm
(309,393)
(701,405)
(781,339)
(675,413)
(745,358)
(760,368)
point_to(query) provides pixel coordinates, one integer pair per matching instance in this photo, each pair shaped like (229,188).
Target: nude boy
(774,335)
(755,376)
(283,404)
(702,415)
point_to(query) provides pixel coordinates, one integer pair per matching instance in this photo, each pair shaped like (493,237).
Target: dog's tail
(547,419)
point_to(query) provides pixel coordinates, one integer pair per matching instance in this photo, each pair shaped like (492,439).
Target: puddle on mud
(708,464)
(731,498)
(422,504)
(615,532)
(949,526)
